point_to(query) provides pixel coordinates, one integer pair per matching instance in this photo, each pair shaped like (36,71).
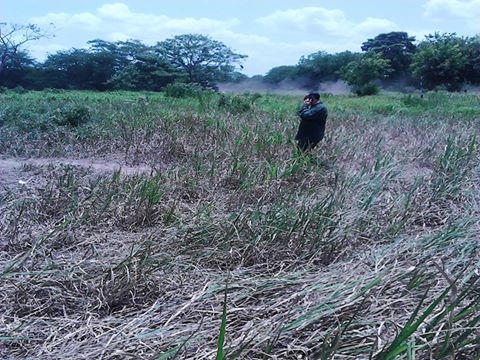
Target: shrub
(19,90)
(366,90)
(181,90)
(412,100)
(53,90)
(235,104)
(73,116)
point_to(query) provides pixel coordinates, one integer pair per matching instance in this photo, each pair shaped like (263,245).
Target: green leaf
(223,328)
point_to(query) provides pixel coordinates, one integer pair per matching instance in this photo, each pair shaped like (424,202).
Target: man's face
(309,101)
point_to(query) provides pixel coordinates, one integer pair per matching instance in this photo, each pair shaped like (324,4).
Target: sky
(270,32)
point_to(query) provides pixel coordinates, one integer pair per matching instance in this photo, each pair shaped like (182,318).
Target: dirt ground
(19,171)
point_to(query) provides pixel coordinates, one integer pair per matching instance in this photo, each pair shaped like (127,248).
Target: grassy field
(141,226)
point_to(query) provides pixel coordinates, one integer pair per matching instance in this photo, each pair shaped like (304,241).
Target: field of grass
(141,226)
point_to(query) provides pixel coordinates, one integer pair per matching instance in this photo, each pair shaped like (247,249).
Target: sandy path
(9,167)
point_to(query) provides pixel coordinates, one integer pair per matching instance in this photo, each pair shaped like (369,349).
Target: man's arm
(302,109)
(311,113)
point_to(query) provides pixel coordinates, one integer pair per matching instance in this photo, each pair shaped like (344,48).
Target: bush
(366,90)
(181,90)
(53,90)
(73,116)
(19,90)
(412,100)
(235,103)
(253,96)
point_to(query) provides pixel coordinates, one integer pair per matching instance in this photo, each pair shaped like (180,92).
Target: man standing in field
(312,127)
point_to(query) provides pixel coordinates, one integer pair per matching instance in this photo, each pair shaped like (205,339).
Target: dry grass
(368,249)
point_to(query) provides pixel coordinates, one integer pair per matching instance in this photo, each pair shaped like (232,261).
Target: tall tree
(396,46)
(136,66)
(280,73)
(472,52)
(17,69)
(123,53)
(361,73)
(147,72)
(202,59)
(440,60)
(79,69)
(13,37)
(321,66)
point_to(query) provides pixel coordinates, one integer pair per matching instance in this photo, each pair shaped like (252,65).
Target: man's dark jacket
(312,126)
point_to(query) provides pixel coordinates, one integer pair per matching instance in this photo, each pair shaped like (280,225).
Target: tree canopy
(321,66)
(361,72)
(440,60)
(202,59)
(12,38)
(396,47)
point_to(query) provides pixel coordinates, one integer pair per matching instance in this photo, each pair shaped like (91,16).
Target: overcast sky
(270,32)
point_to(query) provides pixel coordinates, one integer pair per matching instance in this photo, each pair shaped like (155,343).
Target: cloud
(305,19)
(462,10)
(374,26)
(110,17)
(117,11)
(85,20)
(458,8)
(59,19)
(117,22)
(319,20)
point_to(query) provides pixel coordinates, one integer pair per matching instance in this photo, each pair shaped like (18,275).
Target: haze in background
(285,87)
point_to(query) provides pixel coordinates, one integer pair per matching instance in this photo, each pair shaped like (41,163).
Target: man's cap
(313,95)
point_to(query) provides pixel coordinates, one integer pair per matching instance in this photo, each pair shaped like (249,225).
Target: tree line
(128,65)
(445,61)
(440,61)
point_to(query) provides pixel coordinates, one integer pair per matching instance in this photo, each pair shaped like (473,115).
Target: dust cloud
(286,87)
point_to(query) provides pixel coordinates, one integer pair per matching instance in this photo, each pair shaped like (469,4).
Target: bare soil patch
(15,170)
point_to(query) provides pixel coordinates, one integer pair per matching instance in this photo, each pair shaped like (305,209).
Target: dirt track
(10,174)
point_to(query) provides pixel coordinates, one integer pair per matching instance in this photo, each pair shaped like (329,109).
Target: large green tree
(280,73)
(440,60)
(203,60)
(396,47)
(135,66)
(17,70)
(147,72)
(321,66)
(16,65)
(79,69)
(361,73)
(12,38)
(123,53)
(472,52)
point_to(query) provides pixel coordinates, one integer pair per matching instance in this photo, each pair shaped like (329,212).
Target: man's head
(312,98)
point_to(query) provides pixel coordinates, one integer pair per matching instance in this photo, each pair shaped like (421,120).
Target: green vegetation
(368,248)
(441,60)
(438,62)
(361,72)
(396,47)
(126,65)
